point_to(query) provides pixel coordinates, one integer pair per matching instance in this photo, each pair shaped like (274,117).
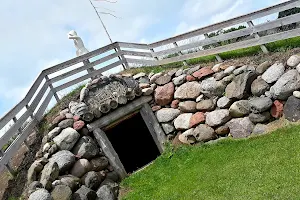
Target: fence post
(263,47)
(7,165)
(122,57)
(52,88)
(218,57)
(20,132)
(180,53)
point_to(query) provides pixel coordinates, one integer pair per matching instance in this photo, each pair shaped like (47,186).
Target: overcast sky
(33,33)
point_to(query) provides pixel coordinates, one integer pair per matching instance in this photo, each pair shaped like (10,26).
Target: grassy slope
(265,167)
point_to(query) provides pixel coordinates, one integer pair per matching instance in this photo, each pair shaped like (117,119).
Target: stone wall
(192,105)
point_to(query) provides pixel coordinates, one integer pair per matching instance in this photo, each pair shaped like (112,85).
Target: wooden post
(52,88)
(8,167)
(263,47)
(180,53)
(20,132)
(219,59)
(110,152)
(156,131)
(122,57)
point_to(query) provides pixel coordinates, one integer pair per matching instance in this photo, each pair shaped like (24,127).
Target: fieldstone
(105,192)
(210,87)
(240,127)
(78,125)
(240,86)
(298,68)
(81,167)
(139,75)
(167,114)
(84,132)
(86,147)
(71,181)
(69,116)
(222,130)
(239,108)
(49,174)
(175,103)
(64,160)
(113,176)
(190,78)
(229,70)
(58,119)
(46,147)
(179,80)
(200,98)
(54,132)
(292,109)
(179,72)
(164,94)
(156,108)
(259,129)
(240,70)
(76,118)
(189,90)
(293,61)
(155,77)
(260,104)
(219,76)
(67,139)
(172,72)
(53,149)
(206,105)
(204,133)
(286,85)
(163,80)
(251,68)
(144,80)
(226,80)
(34,186)
(273,73)
(296,94)
(203,72)
(197,119)
(260,117)
(61,192)
(187,137)
(92,180)
(187,106)
(263,67)
(144,85)
(277,109)
(84,193)
(224,102)
(65,111)
(259,87)
(216,68)
(168,128)
(66,123)
(193,69)
(147,91)
(98,164)
(182,122)
(40,194)
(33,171)
(217,117)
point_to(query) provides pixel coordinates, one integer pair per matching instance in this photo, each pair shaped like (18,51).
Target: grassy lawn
(265,167)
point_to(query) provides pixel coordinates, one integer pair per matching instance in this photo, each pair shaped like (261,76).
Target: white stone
(200,98)
(168,128)
(187,137)
(273,73)
(155,77)
(182,122)
(293,61)
(139,75)
(67,139)
(167,114)
(46,147)
(229,70)
(296,94)
(217,68)
(147,91)
(224,102)
(217,117)
(81,50)
(190,90)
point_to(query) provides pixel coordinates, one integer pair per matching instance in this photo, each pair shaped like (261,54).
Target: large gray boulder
(49,174)
(217,117)
(67,139)
(54,132)
(260,104)
(64,159)
(61,192)
(40,194)
(92,180)
(167,114)
(71,181)
(260,129)
(259,87)
(293,61)
(224,102)
(211,87)
(240,86)
(33,171)
(86,147)
(204,133)
(168,128)
(187,106)
(286,85)
(206,105)
(81,167)
(239,108)
(187,137)
(292,109)
(66,123)
(260,117)
(240,127)
(190,90)
(263,67)
(179,80)
(273,73)
(84,193)
(105,192)
(182,122)
(98,164)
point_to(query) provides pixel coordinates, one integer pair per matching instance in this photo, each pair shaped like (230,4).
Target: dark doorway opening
(133,142)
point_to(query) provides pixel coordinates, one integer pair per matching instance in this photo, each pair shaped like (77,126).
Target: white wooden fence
(120,54)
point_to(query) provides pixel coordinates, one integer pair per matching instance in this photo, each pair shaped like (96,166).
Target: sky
(33,33)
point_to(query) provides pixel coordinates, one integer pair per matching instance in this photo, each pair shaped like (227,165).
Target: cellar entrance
(132,142)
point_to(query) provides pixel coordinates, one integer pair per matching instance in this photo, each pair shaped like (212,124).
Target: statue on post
(78,43)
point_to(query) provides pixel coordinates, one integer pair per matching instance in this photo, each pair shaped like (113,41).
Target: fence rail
(26,115)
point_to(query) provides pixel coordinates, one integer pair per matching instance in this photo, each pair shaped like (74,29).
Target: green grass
(266,167)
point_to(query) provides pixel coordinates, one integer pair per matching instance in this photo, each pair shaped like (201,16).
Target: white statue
(78,43)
